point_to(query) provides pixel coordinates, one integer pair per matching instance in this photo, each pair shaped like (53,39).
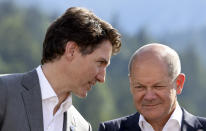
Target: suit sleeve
(2,102)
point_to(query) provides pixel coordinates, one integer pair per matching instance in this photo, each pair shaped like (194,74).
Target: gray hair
(169,55)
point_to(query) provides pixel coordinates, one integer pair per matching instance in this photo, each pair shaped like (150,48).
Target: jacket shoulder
(75,120)
(7,83)
(119,123)
(11,79)
(192,122)
(202,121)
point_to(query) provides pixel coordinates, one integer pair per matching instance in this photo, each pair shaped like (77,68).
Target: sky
(158,16)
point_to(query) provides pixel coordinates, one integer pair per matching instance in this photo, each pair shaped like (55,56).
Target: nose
(150,95)
(101,75)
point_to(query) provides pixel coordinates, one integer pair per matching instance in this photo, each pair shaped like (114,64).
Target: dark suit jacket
(21,105)
(130,123)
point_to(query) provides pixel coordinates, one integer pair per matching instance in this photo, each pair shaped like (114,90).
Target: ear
(130,83)
(70,49)
(180,83)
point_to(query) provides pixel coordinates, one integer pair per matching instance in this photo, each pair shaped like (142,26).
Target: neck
(54,74)
(158,126)
(61,100)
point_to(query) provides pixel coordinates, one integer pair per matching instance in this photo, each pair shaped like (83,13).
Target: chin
(152,116)
(82,95)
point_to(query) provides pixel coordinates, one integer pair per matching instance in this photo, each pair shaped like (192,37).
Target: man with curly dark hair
(76,52)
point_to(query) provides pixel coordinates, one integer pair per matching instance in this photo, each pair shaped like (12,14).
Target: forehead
(149,70)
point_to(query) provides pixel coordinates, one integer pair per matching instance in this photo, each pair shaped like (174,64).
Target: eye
(99,63)
(139,88)
(159,87)
(102,63)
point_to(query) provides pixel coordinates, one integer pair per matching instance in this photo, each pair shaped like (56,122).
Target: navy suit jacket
(130,123)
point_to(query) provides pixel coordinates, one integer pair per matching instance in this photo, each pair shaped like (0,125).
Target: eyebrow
(106,62)
(158,83)
(137,83)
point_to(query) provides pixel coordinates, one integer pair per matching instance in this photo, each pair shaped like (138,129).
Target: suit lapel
(32,100)
(71,122)
(75,122)
(190,122)
(131,123)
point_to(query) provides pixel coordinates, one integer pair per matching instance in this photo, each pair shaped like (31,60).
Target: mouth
(150,105)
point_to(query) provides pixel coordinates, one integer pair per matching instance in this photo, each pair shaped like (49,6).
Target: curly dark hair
(81,26)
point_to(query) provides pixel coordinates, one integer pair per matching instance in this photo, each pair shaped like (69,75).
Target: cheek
(137,101)
(172,95)
(138,97)
(168,96)
(92,70)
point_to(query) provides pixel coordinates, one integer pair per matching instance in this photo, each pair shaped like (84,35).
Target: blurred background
(180,24)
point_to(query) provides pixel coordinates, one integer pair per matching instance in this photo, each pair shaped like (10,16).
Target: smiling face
(89,69)
(153,90)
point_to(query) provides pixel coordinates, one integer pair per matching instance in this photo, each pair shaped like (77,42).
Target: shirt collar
(176,115)
(46,88)
(67,103)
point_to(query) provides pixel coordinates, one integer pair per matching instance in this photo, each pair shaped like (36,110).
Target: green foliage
(195,72)
(21,35)
(20,39)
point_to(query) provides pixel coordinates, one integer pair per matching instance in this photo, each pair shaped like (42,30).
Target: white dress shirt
(49,101)
(173,124)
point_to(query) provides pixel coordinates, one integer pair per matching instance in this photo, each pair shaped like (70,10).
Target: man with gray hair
(155,81)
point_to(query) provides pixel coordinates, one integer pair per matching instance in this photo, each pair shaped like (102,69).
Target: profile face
(153,91)
(91,68)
